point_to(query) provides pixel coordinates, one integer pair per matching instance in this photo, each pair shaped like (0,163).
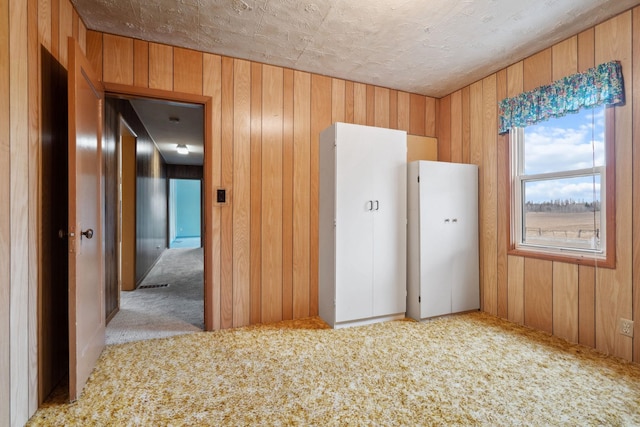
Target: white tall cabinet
(443,263)
(362,225)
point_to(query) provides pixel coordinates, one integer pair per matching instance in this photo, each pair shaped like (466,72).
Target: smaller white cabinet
(362,224)
(442,242)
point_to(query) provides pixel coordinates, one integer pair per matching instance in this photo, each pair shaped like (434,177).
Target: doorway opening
(159,287)
(54,311)
(185,220)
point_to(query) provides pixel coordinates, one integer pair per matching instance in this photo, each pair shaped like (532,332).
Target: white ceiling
(173,123)
(429,47)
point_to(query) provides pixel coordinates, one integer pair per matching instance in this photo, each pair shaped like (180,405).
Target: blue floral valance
(596,86)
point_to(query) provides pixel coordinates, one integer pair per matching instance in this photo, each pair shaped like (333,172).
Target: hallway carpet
(161,311)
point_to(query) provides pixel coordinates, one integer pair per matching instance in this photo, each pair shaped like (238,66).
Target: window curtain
(596,86)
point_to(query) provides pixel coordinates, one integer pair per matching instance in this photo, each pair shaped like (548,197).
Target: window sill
(609,262)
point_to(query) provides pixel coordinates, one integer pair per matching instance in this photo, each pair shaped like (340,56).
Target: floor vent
(161,285)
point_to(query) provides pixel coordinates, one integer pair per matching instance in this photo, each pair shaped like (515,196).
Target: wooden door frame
(211,233)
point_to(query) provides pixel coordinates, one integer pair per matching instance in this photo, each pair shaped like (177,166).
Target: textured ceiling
(429,47)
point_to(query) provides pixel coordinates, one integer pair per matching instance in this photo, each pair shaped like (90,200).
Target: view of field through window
(561,188)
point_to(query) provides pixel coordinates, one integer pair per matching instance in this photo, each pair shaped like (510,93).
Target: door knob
(88,233)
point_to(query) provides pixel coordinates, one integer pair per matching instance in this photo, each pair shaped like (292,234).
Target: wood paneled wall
(5,219)
(308,103)
(266,123)
(579,303)
(25,28)
(151,197)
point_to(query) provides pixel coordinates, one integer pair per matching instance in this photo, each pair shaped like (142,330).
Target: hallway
(169,301)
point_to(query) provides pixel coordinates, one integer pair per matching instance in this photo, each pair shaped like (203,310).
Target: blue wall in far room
(187,209)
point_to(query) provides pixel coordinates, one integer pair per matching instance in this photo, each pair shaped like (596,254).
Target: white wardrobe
(362,225)
(443,263)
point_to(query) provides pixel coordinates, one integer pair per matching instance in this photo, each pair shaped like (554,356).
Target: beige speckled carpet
(470,369)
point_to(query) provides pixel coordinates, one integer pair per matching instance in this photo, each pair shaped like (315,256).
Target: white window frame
(604,255)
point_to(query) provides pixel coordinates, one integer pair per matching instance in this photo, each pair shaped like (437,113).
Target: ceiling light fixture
(182,149)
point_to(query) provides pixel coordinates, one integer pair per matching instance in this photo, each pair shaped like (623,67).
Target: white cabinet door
(390,222)
(465,291)
(435,244)
(354,225)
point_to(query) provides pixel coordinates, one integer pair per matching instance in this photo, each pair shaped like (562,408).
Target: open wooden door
(86,278)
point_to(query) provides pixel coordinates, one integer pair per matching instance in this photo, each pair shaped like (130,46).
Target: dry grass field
(559,229)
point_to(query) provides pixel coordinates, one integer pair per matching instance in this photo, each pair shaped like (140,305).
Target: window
(563,166)
(560,202)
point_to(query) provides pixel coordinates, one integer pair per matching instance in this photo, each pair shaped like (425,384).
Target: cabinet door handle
(377,205)
(454,220)
(446,220)
(370,203)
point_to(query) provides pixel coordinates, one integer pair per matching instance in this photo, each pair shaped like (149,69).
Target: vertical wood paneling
(431,116)
(5,217)
(74,24)
(417,114)
(537,70)
(44,24)
(338,100)
(55,28)
(320,119)
(565,301)
(34,91)
(160,66)
(586,50)
(140,63)
(381,107)
(241,189)
(212,86)
(371,106)
(226,211)
(636,185)
(359,104)
(515,76)
(287,197)
(404,111)
(538,294)
(503,180)
(489,212)
(564,58)
(301,192)
(65,29)
(349,102)
(94,51)
(455,136)
(515,289)
(466,131)
(586,305)
(475,157)
(256,192)
(393,109)
(82,37)
(187,75)
(119,68)
(272,122)
(614,287)
(444,130)
(19,211)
